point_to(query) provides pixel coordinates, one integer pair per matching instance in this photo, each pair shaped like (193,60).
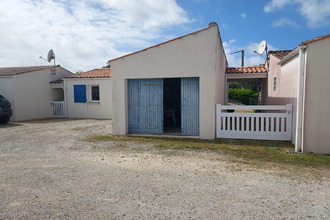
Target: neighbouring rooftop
(95,73)
(246,69)
(58,81)
(10,71)
(280,53)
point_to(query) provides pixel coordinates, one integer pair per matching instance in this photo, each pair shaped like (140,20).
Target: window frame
(91,93)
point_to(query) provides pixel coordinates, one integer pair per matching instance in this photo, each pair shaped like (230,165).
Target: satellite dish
(261,48)
(51,55)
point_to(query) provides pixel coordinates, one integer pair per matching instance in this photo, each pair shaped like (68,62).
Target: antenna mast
(50,56)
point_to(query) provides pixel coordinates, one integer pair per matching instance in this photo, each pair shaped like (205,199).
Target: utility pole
(242,61)
(242,58)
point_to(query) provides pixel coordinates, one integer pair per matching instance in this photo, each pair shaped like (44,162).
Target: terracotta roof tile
(10,71)
(247,69)
(315,39)
(280,53)
(95,73)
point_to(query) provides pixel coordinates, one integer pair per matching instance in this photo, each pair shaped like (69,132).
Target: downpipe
(301,70)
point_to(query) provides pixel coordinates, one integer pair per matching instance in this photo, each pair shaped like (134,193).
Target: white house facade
(89,95)
(301,77)
(29,90)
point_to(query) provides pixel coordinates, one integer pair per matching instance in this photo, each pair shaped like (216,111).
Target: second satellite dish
(51,55)
(262,47)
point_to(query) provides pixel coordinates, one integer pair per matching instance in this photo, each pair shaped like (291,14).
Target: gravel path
(49,170)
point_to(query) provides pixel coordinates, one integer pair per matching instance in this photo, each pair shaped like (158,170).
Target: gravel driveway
(49,170)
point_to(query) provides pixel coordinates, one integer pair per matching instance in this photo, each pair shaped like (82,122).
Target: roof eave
(315,39)
(165,42)
(105,77)
(247,76)
(291,54)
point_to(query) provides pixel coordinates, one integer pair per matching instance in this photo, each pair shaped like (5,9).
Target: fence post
(218,119)
(289,120)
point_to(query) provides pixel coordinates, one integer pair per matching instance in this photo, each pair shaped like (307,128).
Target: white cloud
(276,4)
(282,22)
(243,15)
(316,12)
(230,47)
(83,34)
(250,58)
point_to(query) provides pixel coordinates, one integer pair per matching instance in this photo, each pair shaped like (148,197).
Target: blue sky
(249,21)
(86,33)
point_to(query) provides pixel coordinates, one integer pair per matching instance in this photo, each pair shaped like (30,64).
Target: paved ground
(49,170)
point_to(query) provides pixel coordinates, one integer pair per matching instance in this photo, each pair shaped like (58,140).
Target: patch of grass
(230,148)
(250,150)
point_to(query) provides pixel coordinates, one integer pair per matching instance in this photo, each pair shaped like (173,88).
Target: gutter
(291,54)
(300,94)
(65,98)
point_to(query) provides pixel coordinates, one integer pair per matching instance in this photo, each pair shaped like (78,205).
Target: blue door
(190,106)
(145,106)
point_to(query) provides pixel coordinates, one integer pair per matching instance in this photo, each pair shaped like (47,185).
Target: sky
(85,34)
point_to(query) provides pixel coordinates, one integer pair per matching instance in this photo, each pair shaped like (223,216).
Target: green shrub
(234,85)
(242,95)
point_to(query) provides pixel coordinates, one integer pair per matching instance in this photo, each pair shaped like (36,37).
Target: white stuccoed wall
(316,125)
(197,55)
(32,93)
(101,110)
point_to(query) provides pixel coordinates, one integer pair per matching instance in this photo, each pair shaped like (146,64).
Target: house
(30,91)
(88,94)
(170,88)
(301,77)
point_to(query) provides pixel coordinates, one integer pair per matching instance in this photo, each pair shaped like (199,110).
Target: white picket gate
(58,109)
(267,122)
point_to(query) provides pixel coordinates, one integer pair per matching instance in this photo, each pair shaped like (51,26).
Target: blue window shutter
(80,93)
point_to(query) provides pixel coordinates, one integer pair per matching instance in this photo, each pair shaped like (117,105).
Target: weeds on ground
(256,151)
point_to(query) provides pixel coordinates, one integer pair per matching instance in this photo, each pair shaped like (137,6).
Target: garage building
(170,88)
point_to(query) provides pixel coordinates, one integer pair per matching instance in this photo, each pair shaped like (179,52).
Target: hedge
(242,95)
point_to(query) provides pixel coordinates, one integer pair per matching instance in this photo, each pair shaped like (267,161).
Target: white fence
(58,109)
(259,122)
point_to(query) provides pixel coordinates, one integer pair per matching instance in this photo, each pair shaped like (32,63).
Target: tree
(107,66)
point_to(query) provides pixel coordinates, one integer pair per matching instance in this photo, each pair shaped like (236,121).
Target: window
(79,93)
(95,93)
(274,87)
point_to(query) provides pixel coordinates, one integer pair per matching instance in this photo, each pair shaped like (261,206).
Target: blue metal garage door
(190,106)
(145,106)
